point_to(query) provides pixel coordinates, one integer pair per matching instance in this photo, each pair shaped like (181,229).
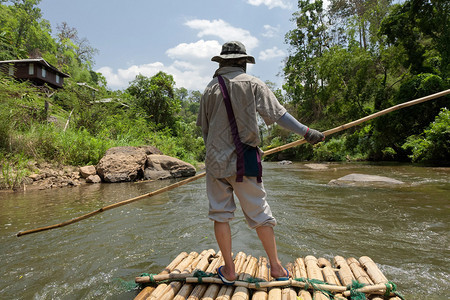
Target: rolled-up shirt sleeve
(267,105)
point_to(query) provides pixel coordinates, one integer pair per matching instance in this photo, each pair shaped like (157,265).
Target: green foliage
(433,145)
(155,96)
(13,170)
(332,150)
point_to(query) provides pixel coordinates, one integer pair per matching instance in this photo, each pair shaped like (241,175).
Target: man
(248,96)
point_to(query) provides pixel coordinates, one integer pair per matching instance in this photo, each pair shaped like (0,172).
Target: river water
(403,228)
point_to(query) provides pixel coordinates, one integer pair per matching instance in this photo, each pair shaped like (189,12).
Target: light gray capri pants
(251,195)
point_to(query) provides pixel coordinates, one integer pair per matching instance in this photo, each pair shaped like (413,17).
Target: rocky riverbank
(119,164)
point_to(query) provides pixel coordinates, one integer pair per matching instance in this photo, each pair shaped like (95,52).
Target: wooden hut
(37,70)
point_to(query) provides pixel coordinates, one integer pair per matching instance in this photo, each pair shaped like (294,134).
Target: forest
(345,62)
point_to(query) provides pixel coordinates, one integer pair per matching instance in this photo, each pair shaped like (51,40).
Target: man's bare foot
(227,273)
(277,271)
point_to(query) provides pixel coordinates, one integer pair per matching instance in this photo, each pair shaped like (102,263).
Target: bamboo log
(225,292)
(362,120)
(330,276)
(174,287)
(188,290)
(359,273)
(300,268)
(274,294)
(268,152)
(213,289)
(147,291)
(300,272)
(323,262)
(250,271)
(262,274)
(304,295)
(288,294)
(163,288)
(345,273)
(314,272)
(374,272)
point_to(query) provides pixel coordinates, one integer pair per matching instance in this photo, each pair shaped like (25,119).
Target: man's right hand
(313,136)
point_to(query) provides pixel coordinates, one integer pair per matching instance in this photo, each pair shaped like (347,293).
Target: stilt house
(37,70)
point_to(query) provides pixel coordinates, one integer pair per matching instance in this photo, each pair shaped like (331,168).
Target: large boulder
(364,179)
(122,164)
(163,167)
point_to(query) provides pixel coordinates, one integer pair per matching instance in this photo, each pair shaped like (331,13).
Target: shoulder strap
(240,164)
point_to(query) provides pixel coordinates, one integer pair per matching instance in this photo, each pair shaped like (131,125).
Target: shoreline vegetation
(366,62)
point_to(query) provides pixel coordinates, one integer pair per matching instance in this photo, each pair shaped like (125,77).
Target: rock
(36,177)
(353,179)
(122,164)
(87,171)
(163,166)
(285,162)
(150,150)
(317,166)
(93,179)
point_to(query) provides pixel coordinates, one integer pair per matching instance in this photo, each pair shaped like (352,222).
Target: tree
(155,96)
(308,42)
(23,28)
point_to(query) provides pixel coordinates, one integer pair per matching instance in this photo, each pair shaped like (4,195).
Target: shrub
(433,145)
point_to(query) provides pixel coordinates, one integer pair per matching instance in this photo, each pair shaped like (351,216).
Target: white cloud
(285,4)
(188,75)
(191,67)
(271,31)
(224,31)
(271,53)
(201,50)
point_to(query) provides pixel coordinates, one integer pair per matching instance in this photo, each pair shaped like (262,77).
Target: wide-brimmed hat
(231,50)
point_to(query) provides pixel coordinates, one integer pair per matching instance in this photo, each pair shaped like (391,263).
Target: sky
(178,37)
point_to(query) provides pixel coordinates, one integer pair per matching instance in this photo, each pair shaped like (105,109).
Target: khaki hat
(231,50)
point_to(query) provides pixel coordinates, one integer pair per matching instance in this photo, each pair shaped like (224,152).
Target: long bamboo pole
(121,203)
(268,152)
(362,120)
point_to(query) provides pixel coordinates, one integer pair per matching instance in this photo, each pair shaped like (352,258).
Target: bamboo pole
(189,289)
(375,274)
(362,120)
(345,273)
(330,276)
(174,287)
(163,288)
(358,271)
(289,293)
(262,274)
(314,272)
(225,292)
(147,291)
(360,275)
(115,205)
(300,272)
(268,152)
(243,292)
(213,289)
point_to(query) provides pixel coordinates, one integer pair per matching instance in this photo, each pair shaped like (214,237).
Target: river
(403,228)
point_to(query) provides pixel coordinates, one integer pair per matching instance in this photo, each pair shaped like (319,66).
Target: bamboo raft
(193,276)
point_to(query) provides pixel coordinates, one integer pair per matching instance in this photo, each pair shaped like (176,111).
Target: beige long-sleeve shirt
(249,96)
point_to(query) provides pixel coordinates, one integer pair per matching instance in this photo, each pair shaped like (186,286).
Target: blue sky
(178,37)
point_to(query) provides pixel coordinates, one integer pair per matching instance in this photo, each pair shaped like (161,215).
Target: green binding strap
(200,274)
(354,295)
(392,288)
(313,283)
